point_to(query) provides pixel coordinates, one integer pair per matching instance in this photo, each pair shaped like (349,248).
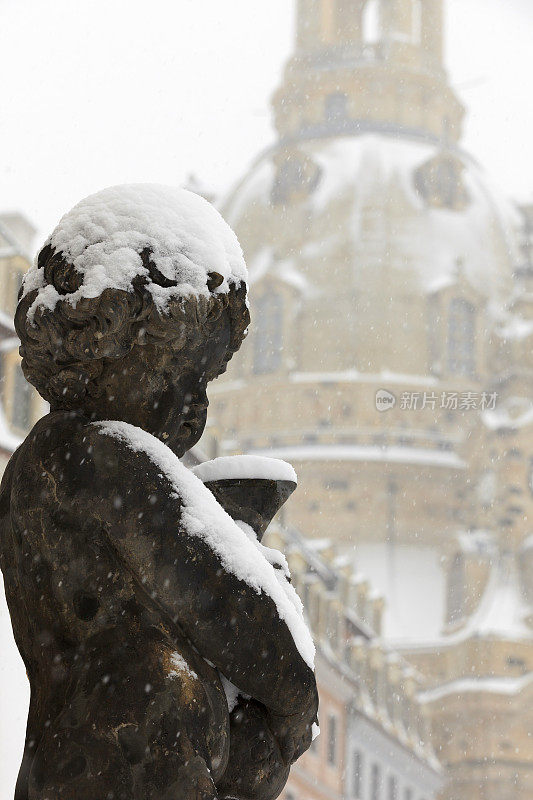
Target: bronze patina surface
(108,593)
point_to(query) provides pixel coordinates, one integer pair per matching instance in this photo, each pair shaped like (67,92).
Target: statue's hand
(256,768)
(293,733)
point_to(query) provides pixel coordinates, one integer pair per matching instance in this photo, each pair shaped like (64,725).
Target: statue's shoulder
(25,467)
(55,431)
(68,434)
(81,456)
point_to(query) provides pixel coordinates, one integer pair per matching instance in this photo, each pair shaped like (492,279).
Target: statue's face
(162,389)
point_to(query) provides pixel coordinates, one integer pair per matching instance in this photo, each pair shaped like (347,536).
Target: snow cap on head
(171,238)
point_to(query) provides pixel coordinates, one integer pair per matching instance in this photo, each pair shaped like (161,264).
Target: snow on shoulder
(104,235)
(204,517)
(245,467)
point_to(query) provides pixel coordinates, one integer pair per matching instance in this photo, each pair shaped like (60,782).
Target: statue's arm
(92,476)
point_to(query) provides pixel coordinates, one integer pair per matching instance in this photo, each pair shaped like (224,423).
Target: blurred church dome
(367,187)
(448,217)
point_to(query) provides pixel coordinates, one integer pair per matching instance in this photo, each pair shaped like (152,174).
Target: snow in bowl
(252,489)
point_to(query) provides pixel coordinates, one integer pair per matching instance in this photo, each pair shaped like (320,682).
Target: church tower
(382,270)
(365,65)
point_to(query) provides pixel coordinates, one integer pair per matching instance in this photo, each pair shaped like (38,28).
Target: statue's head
(135,302)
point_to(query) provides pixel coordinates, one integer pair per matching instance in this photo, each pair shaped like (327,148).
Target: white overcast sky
(99,92)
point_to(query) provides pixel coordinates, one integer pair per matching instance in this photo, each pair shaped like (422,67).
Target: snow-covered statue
(165,647)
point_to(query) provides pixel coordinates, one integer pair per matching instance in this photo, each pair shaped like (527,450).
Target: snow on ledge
(396,455)
(204,517)
(504,686)
(104,235)
(517,328)
(235,467)
(515,413)
(354,376)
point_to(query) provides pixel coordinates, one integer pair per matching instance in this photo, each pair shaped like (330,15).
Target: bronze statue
(127,608)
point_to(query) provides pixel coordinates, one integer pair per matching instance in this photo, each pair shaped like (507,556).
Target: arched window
(297,176)
(372,22)
(288,180)
(456,588)
(357,768)
(461,337)
(268,340)
(448,183)
(406,713)
(526,571)
(336,108)
(332,740)
(375,783)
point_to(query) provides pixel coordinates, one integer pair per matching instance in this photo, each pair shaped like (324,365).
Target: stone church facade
(390,361)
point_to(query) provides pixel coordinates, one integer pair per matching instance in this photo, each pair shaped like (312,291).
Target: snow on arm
(202,516)
(278,561)
(104,235)
(179,664)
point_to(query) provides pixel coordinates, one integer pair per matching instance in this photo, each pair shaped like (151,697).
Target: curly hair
(65,351)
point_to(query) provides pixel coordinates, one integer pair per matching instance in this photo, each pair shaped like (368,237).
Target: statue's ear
(71,385)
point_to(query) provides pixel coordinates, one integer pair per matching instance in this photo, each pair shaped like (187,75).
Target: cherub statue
(140,608)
